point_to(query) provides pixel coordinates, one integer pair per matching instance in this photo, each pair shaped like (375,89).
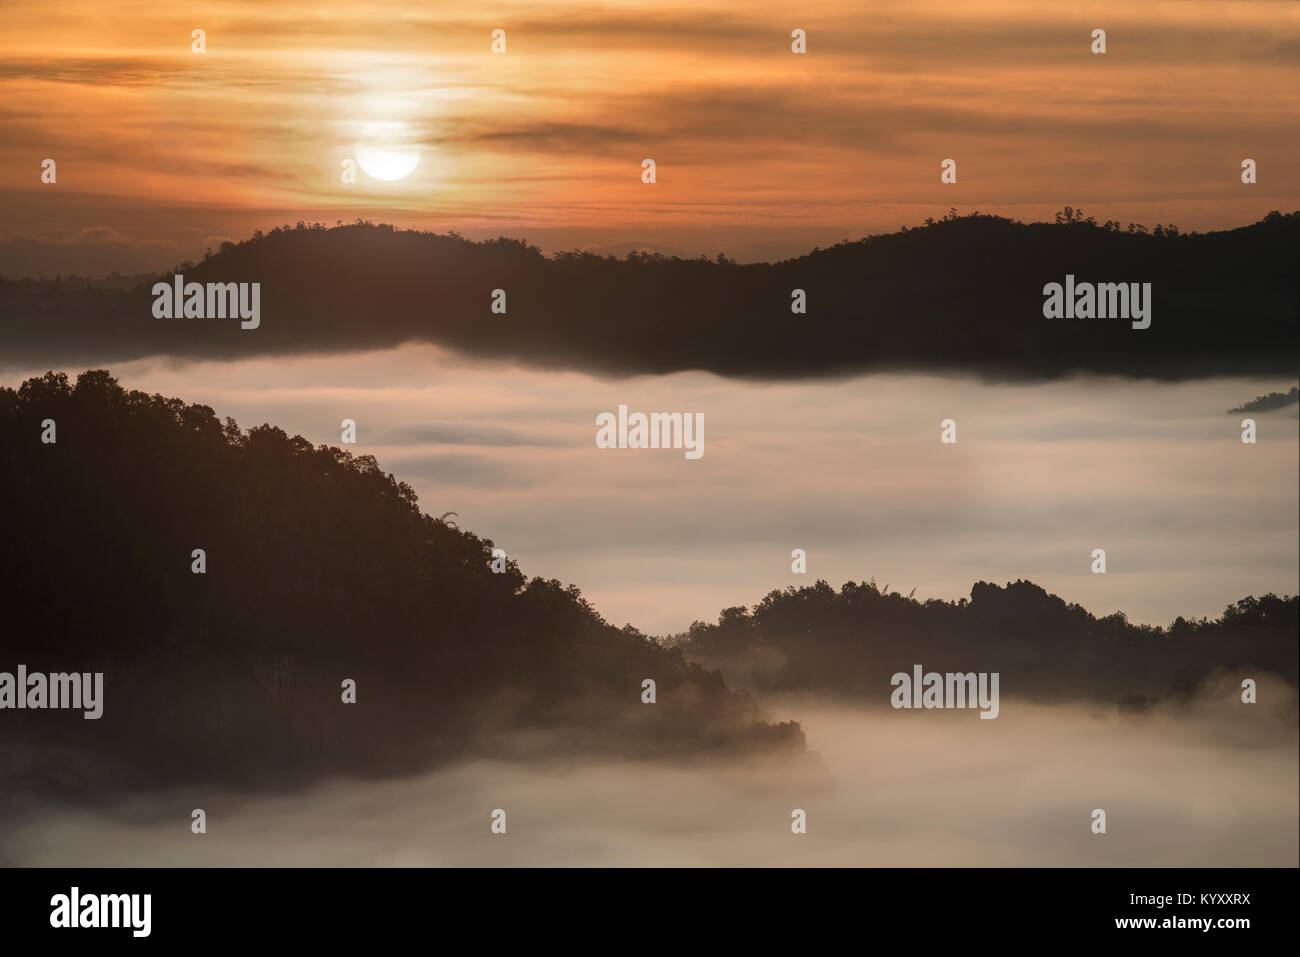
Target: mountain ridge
(960,294)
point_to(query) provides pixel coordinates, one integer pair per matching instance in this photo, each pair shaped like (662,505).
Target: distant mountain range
(963,293)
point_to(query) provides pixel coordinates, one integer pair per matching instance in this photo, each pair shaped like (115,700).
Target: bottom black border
(973,906)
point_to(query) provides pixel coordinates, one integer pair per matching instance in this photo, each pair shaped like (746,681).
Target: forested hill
(964,293)
(319,568)
(815,639)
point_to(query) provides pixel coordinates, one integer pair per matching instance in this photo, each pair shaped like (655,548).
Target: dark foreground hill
(319,568)
(814,639)
(964,293)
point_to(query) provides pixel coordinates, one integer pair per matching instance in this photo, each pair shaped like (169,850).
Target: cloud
(455,470)
(889,789)
(849,469)
(463,433)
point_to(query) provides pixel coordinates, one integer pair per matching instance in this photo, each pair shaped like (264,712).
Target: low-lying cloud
(1211,783)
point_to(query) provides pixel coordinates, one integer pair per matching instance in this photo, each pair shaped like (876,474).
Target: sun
(385,152)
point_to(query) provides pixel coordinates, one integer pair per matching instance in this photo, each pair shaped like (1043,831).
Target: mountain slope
(319,568)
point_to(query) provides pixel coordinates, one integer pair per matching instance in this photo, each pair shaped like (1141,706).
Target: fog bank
(1213,782)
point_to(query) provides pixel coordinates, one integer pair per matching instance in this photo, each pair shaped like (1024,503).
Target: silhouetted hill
(1266,403)
(962,293)
(320,568)
(851,642)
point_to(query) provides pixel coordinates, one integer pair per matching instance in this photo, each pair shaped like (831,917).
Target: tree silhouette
(320,567)
(850,642)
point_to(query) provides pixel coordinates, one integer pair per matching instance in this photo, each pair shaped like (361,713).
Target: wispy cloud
(749,136)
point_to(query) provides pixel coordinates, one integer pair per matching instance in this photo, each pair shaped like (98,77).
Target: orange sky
(760,152)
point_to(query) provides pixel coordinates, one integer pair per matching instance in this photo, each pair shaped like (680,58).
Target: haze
(1207,783)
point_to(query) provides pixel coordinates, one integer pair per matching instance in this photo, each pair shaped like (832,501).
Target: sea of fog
(1213,782)
(850,470)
